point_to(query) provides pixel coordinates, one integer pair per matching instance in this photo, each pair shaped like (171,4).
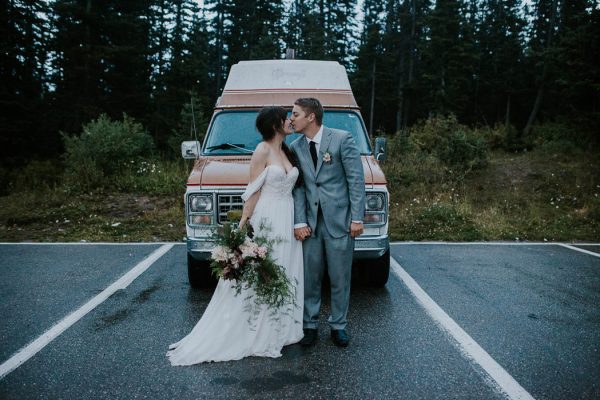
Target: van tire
(199,273)
(380,270)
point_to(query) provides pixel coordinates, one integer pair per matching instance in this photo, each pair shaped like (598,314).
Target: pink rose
(261,252)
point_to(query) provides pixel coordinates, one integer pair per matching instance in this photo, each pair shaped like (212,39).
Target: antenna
(194,126)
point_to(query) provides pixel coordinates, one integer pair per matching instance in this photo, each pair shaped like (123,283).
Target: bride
(227,330)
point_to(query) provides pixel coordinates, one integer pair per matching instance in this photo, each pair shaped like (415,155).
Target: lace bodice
(273,181)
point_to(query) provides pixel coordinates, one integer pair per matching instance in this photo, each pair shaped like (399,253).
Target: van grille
(227,202)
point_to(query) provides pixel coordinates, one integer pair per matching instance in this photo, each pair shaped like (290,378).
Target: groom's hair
(311,105)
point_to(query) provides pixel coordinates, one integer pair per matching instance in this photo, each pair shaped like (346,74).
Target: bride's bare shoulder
(261,151)
(259,157)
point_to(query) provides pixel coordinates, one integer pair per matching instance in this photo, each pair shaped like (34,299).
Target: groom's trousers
(321,248)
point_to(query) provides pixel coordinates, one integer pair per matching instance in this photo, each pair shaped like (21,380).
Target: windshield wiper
(237,146)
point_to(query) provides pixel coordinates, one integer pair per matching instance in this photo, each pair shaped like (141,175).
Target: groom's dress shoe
(340,338)
(310,337)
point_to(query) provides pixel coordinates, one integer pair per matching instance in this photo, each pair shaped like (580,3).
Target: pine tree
(182,68)
(365,83)
(543,38)
(501,46)
(256,31)
(449,60)
(102,61)
(23,93)
(79,45)
(575,60)
(126,60)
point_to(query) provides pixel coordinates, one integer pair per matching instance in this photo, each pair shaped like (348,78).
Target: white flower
(220,253)
(261,252)
(248,248)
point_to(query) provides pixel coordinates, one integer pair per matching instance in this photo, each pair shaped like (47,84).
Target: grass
(525,196)
(532,196)
(55,216)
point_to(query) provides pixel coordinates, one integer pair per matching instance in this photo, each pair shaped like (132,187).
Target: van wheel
(199,273)
(380,270)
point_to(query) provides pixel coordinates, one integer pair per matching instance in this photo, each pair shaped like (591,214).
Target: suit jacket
(337,185)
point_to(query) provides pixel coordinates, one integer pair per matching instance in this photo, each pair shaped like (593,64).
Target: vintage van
(221,170)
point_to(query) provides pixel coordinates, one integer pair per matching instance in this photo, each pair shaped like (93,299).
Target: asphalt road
(534,309)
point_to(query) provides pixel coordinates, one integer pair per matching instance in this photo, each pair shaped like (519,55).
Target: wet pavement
(534,309)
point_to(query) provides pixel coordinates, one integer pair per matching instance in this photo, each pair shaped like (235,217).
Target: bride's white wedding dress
(233,327)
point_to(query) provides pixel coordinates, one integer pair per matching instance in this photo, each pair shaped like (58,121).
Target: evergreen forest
(514,63)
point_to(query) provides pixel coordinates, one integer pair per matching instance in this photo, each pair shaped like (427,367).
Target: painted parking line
(42,341)
(496,375)
(91,243)
(591,253)
(495,243)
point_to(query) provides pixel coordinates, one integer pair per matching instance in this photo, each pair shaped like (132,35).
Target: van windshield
(234,132)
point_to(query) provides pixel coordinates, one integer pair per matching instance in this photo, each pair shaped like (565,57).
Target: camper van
(222,162)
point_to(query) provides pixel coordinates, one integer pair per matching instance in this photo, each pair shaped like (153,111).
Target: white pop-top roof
(287,74)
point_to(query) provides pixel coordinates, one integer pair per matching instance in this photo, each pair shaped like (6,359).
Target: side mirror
(190,150)
(380,148)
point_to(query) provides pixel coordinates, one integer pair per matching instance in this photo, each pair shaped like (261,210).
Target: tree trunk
(411,64)
(401,93)
(507,116)
(219,49)
(372,99)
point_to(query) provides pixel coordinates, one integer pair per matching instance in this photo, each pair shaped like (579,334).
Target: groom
(328,212)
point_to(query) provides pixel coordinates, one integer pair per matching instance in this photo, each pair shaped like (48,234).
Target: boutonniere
(326,157)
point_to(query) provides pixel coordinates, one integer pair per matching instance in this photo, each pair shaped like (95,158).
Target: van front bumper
(370,247)
(365,247)
(200,248)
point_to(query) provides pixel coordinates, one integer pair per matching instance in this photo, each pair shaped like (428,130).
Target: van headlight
(201,203)
(374,202)
(375,208)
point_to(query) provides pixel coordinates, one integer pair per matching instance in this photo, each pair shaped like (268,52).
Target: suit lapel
(323,148)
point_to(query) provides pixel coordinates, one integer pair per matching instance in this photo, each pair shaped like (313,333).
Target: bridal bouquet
(246,259)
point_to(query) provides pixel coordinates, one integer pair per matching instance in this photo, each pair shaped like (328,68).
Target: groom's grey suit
(332,195)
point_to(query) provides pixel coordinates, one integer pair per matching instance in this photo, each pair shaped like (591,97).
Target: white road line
(92,243)
(498,377)
(591,253)
(496,243)
(31,349)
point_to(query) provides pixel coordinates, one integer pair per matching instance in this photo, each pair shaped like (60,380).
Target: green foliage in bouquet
(246,259)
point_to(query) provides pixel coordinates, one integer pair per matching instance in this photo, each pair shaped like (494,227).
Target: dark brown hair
(311,105)
(269,121)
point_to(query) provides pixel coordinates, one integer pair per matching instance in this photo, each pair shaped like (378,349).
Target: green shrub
(414,167)
(501,136)
(5,184)
(554,136)
(457,146)
(35,176)
(95,157)
(153,176)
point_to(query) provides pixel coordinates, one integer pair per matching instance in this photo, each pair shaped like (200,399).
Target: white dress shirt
(316,139)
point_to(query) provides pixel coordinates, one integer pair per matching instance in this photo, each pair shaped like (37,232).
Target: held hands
(302,233)
(356,229)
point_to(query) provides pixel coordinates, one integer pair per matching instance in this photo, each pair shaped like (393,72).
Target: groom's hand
(356,229)
(302,233)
